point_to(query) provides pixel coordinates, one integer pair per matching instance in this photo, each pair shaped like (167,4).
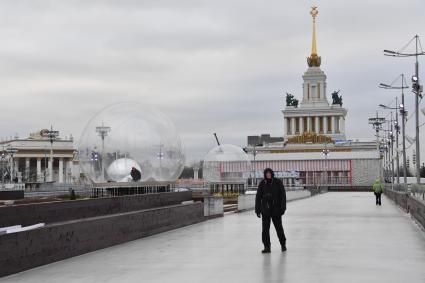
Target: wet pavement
(334,237)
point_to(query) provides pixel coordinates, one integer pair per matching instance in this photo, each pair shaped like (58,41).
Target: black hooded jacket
(271,196)
(135,174)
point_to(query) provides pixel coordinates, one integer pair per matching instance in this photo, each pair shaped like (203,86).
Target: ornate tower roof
(314,60)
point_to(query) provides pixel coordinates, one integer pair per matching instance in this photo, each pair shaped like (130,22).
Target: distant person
(378,189)
(270,205)
(135,174)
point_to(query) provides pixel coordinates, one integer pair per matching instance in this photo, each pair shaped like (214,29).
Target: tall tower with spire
(315,115)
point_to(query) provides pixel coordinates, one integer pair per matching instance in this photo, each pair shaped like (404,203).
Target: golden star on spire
(314,12)
(314,60)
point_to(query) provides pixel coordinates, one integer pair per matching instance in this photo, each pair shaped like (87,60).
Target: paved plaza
(334,237)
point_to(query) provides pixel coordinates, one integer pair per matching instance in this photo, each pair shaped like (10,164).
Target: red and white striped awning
(304,165)
(287,165)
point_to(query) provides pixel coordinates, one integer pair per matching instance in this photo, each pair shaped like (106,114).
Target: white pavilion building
(315,149)
(36,160)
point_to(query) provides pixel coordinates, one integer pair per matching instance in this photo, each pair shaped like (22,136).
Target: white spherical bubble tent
(226,163)
(127,135)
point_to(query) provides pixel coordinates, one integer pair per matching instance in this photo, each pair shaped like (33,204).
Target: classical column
(287,126)
(38,169)
(301,123)
(293,125)
(27,168)
(341,125)
(335,124)
(325,124)
(337,129)
(308,124)
(69,169)
(332,124)
(60,170)
(65,170)
(317,124)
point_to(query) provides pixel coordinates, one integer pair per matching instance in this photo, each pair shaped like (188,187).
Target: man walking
(270,205)
(378,189)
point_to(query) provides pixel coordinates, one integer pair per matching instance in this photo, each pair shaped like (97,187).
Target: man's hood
(268,170)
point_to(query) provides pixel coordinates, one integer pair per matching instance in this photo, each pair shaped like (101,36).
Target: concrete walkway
(335,237)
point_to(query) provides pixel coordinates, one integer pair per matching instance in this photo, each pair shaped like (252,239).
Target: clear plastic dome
(135,137)
(226,163)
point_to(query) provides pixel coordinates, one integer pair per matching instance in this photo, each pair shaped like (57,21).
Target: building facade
(37,160)
(315,149)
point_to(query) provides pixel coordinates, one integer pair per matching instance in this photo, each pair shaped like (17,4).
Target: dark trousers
(378,198)
(277,222)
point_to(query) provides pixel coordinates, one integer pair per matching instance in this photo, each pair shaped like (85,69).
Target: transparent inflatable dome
(129,142)
(226,163)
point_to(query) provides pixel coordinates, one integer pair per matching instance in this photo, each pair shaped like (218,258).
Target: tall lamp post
(11,151)
(326,152)
(387,144)
(160,156)
(403,113)
(385,153)
(416,89)
(391,141)
(376,123)
(102,131)
(51,135)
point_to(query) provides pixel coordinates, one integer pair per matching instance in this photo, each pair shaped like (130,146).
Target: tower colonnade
(320,124)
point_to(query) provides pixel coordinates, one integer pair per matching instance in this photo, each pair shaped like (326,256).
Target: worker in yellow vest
(378,189)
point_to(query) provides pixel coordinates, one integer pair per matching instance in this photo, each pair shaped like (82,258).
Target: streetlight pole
(376,123)
(51,135)
(417,90)
(391,137)
(386,154)
(160,156)
(397,131)
(102,131)
(326,153)
(403,126)
(388,147)
(401,111)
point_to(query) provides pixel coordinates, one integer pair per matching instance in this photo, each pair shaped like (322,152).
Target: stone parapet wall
(54,242)
(409,203)
(52,212)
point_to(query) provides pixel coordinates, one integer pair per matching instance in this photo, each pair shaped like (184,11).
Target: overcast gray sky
(212,66)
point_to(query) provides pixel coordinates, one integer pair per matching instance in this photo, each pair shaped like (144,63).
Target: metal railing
(414,190)
(312,181)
